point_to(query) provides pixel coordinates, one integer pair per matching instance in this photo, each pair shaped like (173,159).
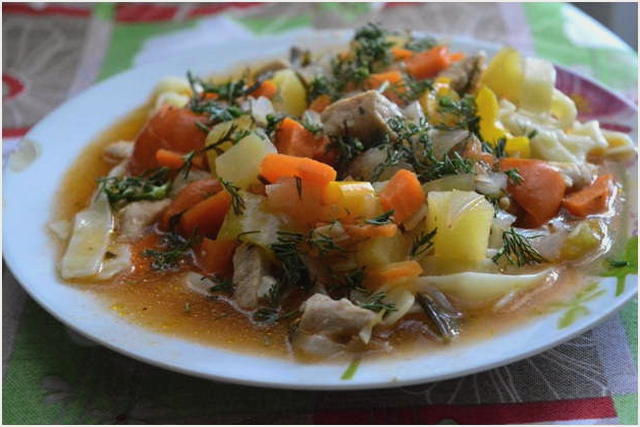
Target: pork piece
(363,116)
(136,216)
(250,276)
(576,175)
(464,74)
(328,325)
(119,150)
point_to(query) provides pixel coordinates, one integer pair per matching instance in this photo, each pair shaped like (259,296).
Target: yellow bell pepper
(491,130)
(518,146)
(356,198)
(488,109)
(504,74)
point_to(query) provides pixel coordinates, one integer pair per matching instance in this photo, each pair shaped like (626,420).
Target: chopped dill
(152,185)
(273,121)
(422,243)
(173,250)
(237,202)
(414,147)
(514,176)
(348,149)
(314,128)
(517,250)
(267,315)
(382,219)
(222,285)
(294,270)
(375,303)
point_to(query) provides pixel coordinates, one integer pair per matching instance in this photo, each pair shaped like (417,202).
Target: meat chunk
(136,216)
(328,325)
(363,116)
(465,74)
(250,276)
(576,175)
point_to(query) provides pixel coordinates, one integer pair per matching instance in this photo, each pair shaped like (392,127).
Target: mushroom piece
(363,116)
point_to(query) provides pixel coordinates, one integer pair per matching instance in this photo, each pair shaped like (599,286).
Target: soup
(393,196)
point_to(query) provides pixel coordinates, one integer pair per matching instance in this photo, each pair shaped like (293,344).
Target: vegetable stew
(389,194)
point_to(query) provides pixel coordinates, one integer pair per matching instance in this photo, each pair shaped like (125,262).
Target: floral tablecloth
(53,51)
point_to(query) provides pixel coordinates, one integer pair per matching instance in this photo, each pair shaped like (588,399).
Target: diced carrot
(400,53)
(169,159)
(170,128)
(366,231)
(541,191)
(210,95)
(173,160)
(456,56)
(300,201)
(394,77)
(320,103)
(267,88)
(403,194)
(189,196)
(216,256)
(276,166)
(427,64)
(207,216)
(295,140)
(394,272)
(592,199)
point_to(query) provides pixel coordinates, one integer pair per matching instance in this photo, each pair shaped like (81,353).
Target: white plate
(60,137)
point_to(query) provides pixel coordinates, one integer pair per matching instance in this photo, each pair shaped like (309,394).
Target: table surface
(51,375)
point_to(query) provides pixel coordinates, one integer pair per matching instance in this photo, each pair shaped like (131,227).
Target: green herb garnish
(422,243)
(237,202)
(514,176)
(375,303)
(382,219)
(174,249)
(120,190)
(517,250)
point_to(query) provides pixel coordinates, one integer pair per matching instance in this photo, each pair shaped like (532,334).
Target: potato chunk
(463,220)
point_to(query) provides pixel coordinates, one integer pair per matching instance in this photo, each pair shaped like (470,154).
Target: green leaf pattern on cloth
(621,268)
(575,308)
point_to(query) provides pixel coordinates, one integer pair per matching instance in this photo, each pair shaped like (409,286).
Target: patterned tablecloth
(51,52)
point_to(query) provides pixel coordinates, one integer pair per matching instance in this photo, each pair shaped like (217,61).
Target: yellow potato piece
(463,220)
(291,97)
(240,164)
(356,197)
(504,74)
(380,251)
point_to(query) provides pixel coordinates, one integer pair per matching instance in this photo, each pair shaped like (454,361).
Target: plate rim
(13,265)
